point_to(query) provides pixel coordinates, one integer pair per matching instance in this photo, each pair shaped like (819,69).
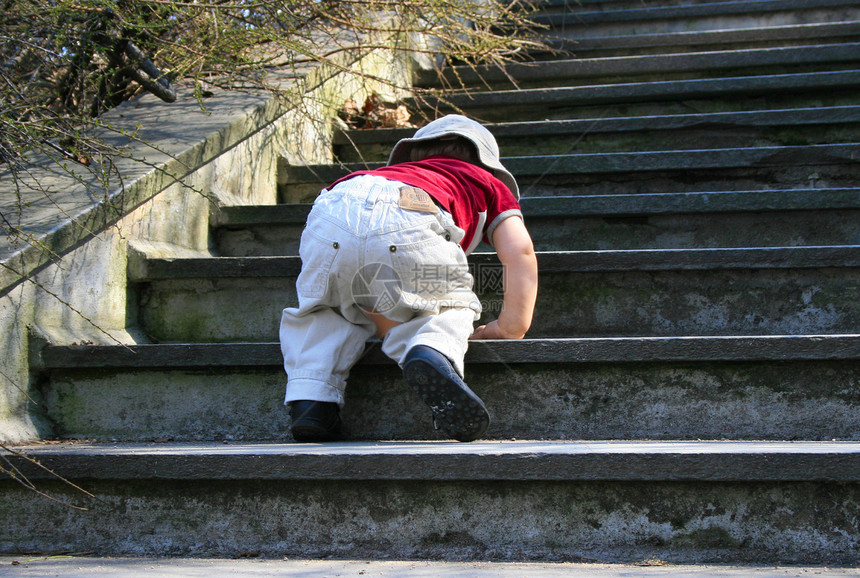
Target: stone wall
(72,287)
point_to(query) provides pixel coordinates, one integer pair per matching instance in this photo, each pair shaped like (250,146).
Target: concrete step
(670,171)
(672,368)
(674,501)
(520,460)
(689,9)
(707,6)
(590,71)
(610,222)
(779,290)
(714,387)
(650,98)
(71,566)
(601,18)
(579,41)
(755,128)
(801,217)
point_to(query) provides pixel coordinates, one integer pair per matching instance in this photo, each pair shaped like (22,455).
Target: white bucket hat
(455,124)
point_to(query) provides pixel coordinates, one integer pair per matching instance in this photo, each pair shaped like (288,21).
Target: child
(384,251)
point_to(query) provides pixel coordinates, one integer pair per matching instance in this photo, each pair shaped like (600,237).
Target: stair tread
(682,62)
(442,460)
(812,31)
(699,202)
(607,205)
(587,14)
(784,117)
(675,159)
(676,447)
(154,269)
(538,350)
(613,93)
(627,162)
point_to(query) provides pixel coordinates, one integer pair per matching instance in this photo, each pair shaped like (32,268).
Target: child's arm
(516,252)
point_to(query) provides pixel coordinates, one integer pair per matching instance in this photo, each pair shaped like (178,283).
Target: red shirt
(474,197)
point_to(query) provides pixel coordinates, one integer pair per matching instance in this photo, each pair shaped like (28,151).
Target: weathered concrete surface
(796,217)
(660,97)
(668,303)
(631,19)
(226,154)
(72,566)
(761,291)
(616,231)
(579,40)
(571,72)
(506,352)
(560,507)
(442,520)
(624,399)
(205,309)
(659,171)
(84,298)
(664,132)
(708,230)
(528,168)
(632,461)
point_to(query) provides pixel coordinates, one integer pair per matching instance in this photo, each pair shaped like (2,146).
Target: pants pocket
(433,269)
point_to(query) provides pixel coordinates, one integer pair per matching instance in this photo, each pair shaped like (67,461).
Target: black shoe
(456,409)
(316,421)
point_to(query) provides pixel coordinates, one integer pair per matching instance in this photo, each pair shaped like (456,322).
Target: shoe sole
(456,411)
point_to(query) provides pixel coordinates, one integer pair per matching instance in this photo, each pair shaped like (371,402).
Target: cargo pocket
(317,256)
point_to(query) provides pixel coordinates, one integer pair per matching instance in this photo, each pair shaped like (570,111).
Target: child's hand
(516,252)
(492,330)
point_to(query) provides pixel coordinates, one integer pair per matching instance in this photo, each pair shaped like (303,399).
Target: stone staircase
(689,390)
